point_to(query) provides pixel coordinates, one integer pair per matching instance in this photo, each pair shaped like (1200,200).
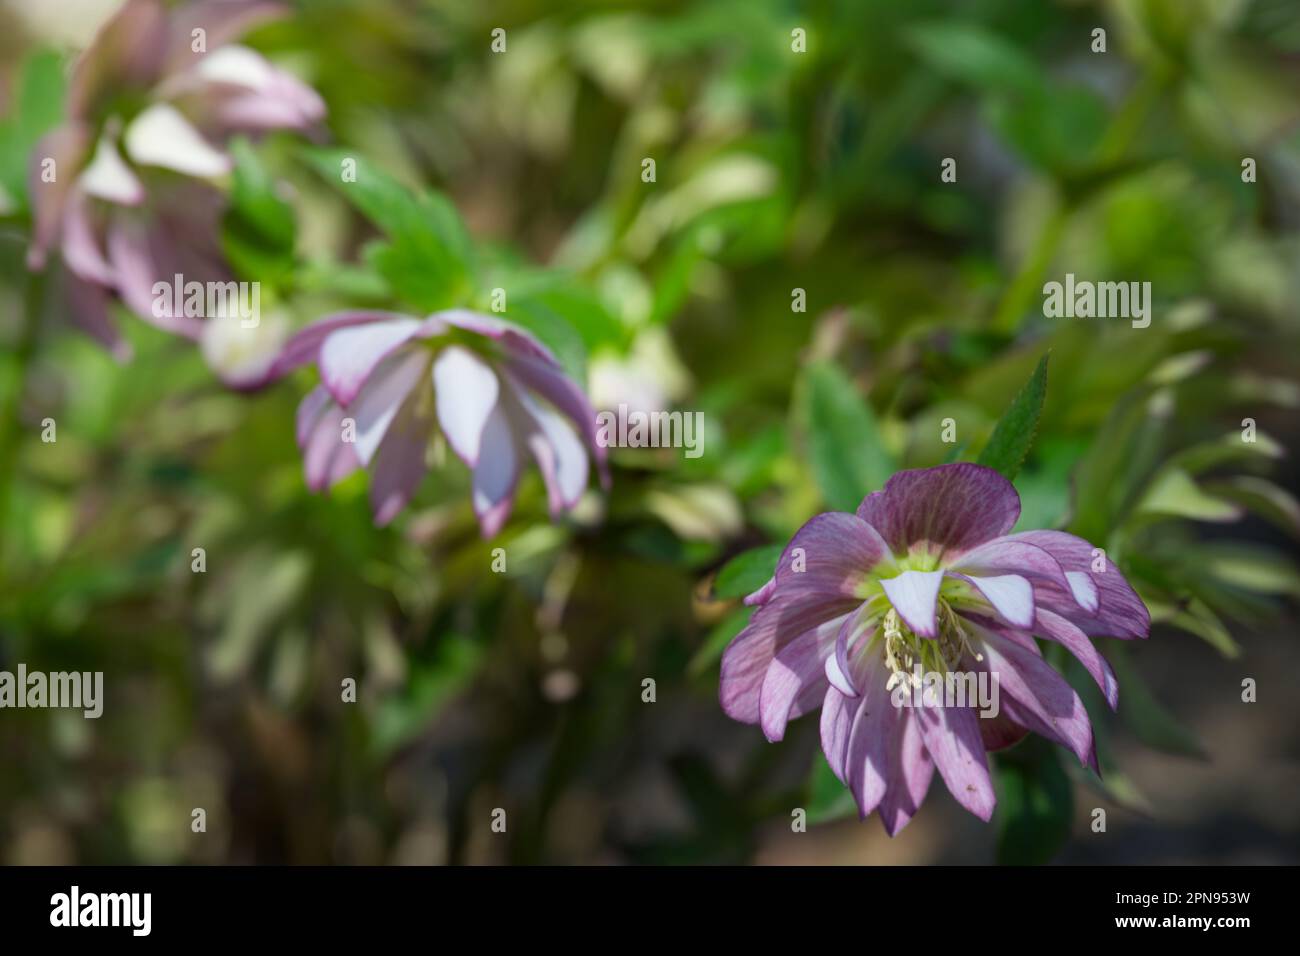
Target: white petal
(109,177)
(161,136)
(236,65)
(497,471)
(559,453)
(1084,589)
(1010,594)
(913,594)
(466,390)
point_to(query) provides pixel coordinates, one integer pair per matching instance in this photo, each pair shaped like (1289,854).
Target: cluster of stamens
(903,648)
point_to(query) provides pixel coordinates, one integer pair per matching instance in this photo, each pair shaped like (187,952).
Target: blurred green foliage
(775,171)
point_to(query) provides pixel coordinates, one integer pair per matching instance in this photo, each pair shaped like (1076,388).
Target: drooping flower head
(926,579)
(125,188)
(390,381)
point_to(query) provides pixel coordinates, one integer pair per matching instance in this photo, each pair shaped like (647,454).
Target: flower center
(904,649)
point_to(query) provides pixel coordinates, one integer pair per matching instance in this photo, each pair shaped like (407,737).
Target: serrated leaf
(1014,433)
(848,457)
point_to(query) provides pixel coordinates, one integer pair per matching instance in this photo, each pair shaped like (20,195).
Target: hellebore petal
(64,146)
(1056,628)
(161,136)
(559,454)
(497,472)
(305,345)
(951,507)
(126,53)
(1010,594)
(952,738)
(1120,613)
(832,553)
(795,675)
(221,22)
(350,357)
(1005,556)
(909,785)
(746,659)
(399,464)
(466,390)
(327,458)
(382,397)
(1035,696)
(133,253)
(89,306)
(762,595)
(81,250)
(108,177)
(914,595)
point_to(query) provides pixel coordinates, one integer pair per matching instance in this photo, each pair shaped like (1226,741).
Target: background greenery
(775,171)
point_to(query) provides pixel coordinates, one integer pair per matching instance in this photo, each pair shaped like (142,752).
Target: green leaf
(401,717)
(1173,494)
(711,650)
(1261,497)
(41,90)
(971,54)
(747,571)
(828,798)
(259,229)
(554,331)
(848,456)
(1035,805)
(428,260)
(1014,434)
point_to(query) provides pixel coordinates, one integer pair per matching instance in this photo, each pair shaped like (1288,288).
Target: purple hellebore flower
(157,94)
(497,393)
(925,573)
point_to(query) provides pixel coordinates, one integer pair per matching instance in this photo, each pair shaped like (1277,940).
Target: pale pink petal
(911,781)
(64,146)
(497,472)
(305,345)
(1010,594)
(81,250)
(399,465)
(108,177)
(384,392)
(796,671)
(952,737)
(349,356)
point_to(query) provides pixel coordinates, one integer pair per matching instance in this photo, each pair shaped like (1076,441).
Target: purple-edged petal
(222,21)
(466,390)
(1005,556)
(913,595)
(841,671)
(1084,590)
(796,672)
(305,345)
(833,554)
(81,250)
(1056,628)
(1011,595)
(88,305)
(873,738)
(559,454)
(326,457)
(399,465)
(126,54)
(909,785)
(135,264)
(951,507)
(497,472)
(838,711)
(747,658)
(762,595)
(382,397)
(1120,613)
(1035,696)
(351,355)
(952,738)
(64,145)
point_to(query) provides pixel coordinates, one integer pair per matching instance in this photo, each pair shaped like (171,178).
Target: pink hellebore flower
(497,393)
(123,188)
(925,573)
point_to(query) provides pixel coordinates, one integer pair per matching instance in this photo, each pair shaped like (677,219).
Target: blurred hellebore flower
(924,579)
(496,392)
(124,188)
